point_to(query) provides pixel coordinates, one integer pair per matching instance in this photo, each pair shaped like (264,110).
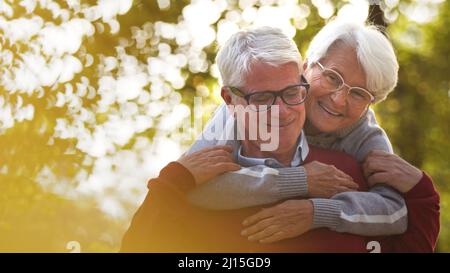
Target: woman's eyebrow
(335,68)
(343,77)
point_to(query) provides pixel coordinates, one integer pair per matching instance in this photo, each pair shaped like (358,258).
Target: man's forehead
(269,77)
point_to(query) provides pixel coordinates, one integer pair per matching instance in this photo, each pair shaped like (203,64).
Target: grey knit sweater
(381,211)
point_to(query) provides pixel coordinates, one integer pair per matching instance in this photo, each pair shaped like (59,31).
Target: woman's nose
(339,97)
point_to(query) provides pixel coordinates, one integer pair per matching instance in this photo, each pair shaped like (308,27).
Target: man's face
(264,77)
(329,111)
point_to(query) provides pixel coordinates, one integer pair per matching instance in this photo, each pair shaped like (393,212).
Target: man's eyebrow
(268,90)
(250,91)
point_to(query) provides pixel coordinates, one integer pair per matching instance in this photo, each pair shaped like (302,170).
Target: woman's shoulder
(367,136)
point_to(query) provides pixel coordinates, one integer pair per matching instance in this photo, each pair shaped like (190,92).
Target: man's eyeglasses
(262,101)
(333,81)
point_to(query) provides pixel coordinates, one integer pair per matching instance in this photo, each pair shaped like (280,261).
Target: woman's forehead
(344,60)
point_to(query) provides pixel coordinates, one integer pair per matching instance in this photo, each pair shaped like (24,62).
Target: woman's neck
(309,129)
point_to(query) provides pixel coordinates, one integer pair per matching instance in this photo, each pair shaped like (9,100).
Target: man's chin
(284,147)
(288,136)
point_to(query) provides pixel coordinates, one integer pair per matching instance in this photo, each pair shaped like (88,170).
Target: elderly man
(168,222)
(338,120)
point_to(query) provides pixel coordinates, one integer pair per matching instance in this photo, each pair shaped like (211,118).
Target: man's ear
(226,96)
(305,65)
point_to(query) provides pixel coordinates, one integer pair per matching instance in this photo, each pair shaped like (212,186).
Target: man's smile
(283,124)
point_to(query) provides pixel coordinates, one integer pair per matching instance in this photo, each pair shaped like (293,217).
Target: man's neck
(252,149)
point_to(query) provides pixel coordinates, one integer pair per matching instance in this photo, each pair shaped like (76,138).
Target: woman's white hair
(374,52)
(246,47)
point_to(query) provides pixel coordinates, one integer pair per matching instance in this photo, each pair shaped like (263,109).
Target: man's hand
(381,167)
(325,181)
(289,219)
(208,163)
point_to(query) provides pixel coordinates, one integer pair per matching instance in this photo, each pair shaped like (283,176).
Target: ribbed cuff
(292,182)
(326,213)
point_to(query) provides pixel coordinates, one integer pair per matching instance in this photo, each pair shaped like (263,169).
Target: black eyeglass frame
(304,83)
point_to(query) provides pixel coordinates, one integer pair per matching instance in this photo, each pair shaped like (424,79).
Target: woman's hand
(208,163)
(325,181)
(381,167)
(286,220)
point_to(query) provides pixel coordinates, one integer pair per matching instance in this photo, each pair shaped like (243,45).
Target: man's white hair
(246,47)
(374,52)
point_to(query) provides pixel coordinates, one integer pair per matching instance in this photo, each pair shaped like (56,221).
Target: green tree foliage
(417,115)
(59,184)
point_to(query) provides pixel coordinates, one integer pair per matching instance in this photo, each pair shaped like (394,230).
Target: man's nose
(283,108)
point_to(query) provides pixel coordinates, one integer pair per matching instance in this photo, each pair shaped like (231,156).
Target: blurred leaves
(74,164)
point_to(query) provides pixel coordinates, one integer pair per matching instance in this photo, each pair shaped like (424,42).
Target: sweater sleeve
(423,220)
(381,211)
(349,212)
(250,186)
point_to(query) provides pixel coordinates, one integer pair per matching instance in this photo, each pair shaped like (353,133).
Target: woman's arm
(259,185)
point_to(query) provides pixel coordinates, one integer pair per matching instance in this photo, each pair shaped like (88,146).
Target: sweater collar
(325,140)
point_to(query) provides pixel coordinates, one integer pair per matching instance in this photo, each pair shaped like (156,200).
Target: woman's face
(328,111)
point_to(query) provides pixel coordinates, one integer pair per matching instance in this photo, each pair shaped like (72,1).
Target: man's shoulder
(342,161)
(329,156)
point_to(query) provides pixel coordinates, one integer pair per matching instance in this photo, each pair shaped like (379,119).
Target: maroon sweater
(167,222)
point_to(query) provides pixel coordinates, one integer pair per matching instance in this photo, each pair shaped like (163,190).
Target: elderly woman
(349,67)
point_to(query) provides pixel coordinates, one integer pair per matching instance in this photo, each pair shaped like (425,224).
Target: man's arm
(423,229)
(155,224)
(421,198)
(423,220)
(149,231)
